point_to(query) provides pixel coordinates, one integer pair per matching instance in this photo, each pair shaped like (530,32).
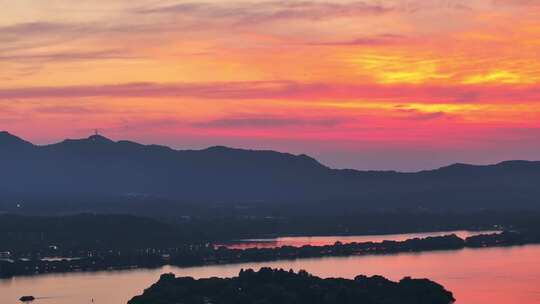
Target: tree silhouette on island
(271,286)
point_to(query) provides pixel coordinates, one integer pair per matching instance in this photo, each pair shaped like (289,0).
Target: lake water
(476,276)
(299,241)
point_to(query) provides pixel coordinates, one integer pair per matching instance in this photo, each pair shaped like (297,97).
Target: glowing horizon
(374,84)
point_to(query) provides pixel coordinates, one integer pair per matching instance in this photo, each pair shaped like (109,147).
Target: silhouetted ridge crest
(94,139)
(8,139)
(99,139)
(100,166)
(268,155)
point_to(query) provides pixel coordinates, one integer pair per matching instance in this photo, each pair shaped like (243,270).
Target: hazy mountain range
(100,166)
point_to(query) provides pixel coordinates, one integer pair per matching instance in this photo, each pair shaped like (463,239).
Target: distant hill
(99,166)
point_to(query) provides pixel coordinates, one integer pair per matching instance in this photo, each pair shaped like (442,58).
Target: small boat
(27,299)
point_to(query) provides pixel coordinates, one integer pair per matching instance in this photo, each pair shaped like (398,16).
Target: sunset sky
(387,84)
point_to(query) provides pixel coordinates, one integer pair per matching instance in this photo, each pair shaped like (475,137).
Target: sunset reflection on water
(475,276)
(299,241)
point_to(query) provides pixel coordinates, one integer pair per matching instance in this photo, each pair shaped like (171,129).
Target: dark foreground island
(269,286)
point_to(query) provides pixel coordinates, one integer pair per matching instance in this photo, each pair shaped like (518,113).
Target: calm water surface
(476,276)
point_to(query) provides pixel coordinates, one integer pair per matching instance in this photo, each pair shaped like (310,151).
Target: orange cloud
(360,75)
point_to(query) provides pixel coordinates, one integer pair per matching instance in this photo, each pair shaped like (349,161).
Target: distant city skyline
(376,84)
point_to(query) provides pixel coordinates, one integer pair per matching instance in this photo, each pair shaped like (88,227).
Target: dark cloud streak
(388,39)
(271,90)
(269,122)
(269,11)
(67,56)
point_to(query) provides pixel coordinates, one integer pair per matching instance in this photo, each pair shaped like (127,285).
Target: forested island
(287,287)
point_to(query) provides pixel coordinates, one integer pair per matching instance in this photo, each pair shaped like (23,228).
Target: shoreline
(224,256)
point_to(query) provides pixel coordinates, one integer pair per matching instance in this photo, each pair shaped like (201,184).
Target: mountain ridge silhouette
(98,165)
